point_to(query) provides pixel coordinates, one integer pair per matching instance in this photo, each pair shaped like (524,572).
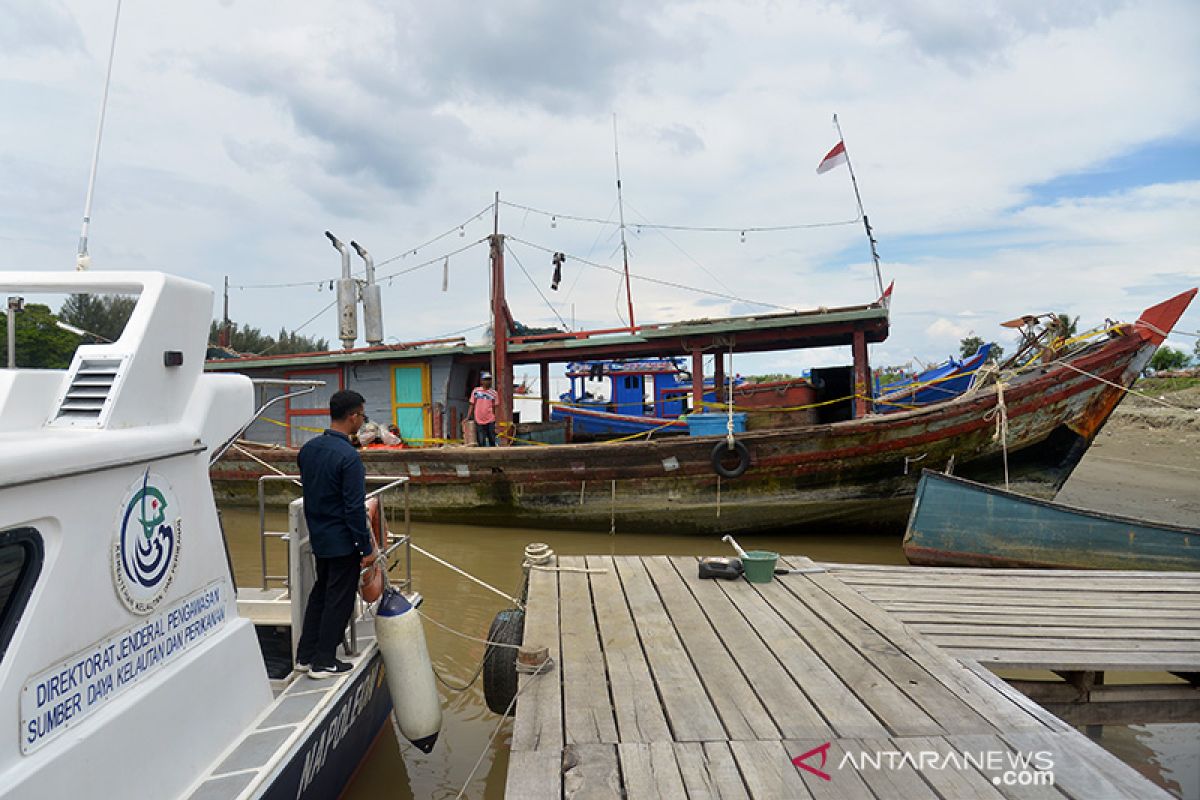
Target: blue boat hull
(944,382)
(587,422)
(324,764)
(956,522)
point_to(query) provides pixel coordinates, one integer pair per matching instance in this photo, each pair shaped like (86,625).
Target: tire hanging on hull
(409,671)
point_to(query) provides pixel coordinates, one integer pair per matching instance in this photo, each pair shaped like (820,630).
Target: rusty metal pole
(862,376)
(697,381)
(502,380)
(544,383)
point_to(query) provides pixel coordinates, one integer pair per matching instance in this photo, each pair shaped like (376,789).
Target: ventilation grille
(89,390)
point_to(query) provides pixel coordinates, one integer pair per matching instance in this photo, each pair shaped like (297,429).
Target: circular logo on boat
(146,549)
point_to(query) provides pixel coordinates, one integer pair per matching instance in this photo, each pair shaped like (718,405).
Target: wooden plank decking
(1044,619)
(668,686)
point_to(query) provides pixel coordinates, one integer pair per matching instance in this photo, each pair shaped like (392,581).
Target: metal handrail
(390,546)
(310,387)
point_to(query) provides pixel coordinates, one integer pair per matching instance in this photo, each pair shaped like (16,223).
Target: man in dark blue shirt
(334,482)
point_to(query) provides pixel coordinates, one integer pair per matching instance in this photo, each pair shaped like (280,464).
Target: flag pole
(861,212)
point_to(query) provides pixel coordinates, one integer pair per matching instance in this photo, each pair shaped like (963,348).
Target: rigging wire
(537,288)
(685,253)
(658,281)
(410,251)
(696,228)
(302,326)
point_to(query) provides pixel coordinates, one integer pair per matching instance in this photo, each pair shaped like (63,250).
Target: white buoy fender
(409,670)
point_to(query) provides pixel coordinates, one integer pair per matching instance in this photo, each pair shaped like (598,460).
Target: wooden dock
(665,685)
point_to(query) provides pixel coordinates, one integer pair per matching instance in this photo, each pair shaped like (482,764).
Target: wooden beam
(544,383)
(862,375)
(719,376)
(697,381)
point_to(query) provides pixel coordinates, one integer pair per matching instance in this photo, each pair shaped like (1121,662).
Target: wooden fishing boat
(860,471)
(960,523)
(946,380)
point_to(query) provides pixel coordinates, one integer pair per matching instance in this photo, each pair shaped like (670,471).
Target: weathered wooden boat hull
(959,523)
(855,473)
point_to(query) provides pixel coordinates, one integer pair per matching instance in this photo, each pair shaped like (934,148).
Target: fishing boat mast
(621,216)
(861,212)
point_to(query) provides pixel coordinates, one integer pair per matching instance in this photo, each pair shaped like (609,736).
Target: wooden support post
(719,376)
(862,376)
(544,383)
(503,379)
(697,381)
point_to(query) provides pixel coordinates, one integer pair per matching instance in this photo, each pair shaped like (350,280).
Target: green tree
(1068,326)
(1167,358)
(104,315)
(970,345)
(41,344)
(771,377)
(245,339)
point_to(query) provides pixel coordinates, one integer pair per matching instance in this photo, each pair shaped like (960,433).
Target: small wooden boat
(959,523)
(943,382)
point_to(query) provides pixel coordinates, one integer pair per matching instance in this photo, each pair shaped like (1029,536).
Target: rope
(467,636)
(454,687)
(543,667)
(1128,389)
(537,288)
(1000,414)
(695,228)
(253,457)
(468,576)
(670,284)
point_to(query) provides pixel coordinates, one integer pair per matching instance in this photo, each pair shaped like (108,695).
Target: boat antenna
(861,212)
(82,259)
(621,212)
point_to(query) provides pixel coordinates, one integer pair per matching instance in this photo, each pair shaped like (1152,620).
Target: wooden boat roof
(822,327)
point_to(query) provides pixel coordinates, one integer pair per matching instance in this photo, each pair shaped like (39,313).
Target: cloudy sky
(1020,156)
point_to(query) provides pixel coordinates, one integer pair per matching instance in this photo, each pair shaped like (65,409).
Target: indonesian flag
(834,158)
(885,299)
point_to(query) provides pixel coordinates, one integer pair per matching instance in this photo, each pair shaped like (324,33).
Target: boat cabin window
(20,563)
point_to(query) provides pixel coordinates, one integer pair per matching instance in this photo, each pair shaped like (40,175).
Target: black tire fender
(722,451)
(500,663)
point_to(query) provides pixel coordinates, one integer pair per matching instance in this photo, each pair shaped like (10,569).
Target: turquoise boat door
(410,402)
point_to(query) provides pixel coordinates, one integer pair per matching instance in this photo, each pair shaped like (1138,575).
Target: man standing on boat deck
(334,481)
(483,411)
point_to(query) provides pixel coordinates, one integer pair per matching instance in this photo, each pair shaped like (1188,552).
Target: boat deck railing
(385,493)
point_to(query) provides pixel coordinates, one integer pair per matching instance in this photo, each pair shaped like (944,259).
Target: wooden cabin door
(410,402)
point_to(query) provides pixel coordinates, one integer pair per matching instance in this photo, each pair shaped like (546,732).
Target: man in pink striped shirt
(483,411)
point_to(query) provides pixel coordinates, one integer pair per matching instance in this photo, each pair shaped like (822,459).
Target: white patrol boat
(130,665)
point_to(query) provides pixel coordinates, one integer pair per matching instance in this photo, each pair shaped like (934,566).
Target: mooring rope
(1000,414)
(1128,389)
(543,667)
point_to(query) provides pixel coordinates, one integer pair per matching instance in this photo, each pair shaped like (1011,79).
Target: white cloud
(237,135)
(943,328)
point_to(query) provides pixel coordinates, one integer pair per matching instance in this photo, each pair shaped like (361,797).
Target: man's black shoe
(329,670)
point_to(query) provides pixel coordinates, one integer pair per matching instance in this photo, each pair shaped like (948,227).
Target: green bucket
(760,565)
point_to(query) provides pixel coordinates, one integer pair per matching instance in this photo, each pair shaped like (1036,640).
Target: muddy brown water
(1167,754)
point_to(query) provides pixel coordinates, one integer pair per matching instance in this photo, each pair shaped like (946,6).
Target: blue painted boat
(959,523)
(645,396)
(943,382)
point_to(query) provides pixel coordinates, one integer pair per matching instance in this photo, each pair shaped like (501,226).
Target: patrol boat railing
(384,493)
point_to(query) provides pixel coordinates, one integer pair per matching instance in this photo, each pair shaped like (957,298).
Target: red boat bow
(1156,322)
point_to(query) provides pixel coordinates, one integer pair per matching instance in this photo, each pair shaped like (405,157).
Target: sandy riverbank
(1145,462)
